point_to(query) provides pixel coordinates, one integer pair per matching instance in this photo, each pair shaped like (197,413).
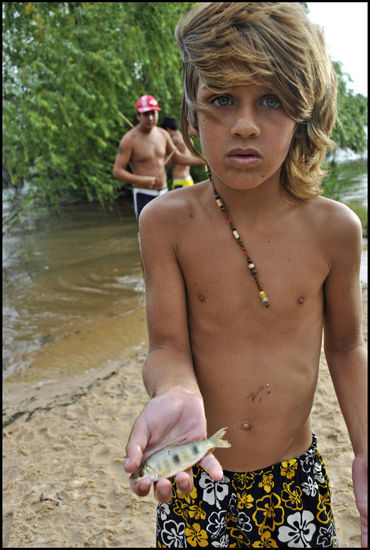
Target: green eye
(272,102)
(221,101)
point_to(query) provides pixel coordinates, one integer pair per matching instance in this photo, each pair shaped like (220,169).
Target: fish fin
(181,442)
(172,445)
(217,439)
(169,446)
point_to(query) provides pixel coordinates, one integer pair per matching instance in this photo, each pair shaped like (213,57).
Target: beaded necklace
(220,203)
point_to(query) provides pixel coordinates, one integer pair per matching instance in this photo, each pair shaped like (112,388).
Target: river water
(73,292)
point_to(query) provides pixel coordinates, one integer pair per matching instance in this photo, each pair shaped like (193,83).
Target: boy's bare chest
(291,268)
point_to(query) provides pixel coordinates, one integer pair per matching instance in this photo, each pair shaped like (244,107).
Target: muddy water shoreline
(73,292)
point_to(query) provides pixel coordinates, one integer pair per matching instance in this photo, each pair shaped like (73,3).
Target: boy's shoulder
(174,202)
(332,210)
(169,215)
(333,218)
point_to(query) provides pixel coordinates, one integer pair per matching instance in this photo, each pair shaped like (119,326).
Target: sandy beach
(63,454)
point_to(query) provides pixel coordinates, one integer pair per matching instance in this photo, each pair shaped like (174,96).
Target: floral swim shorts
(287,505)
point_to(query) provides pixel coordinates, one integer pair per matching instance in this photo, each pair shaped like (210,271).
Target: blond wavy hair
(226,44)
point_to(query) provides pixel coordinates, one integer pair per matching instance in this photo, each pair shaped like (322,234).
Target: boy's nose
(246,124)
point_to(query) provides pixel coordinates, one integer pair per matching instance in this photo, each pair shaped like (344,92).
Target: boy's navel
(246,426)
(201,298)
(300,300)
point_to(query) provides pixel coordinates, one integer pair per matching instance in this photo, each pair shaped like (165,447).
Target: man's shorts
(143,196)
(178,184)
(285,505)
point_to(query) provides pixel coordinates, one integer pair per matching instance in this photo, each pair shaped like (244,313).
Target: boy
(145,148)
(181,176)
(256,265)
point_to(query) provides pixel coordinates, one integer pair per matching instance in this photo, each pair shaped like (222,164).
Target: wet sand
(63,455)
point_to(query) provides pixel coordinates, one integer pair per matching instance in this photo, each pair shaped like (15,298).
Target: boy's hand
(359,476)
(172,417)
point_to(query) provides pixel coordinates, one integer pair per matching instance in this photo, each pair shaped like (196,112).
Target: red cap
(147,103)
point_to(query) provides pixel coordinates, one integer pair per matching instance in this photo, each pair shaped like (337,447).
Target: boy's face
(245,134)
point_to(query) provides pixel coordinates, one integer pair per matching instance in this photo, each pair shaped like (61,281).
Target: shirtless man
(145,148)
(257,267)
(181,176)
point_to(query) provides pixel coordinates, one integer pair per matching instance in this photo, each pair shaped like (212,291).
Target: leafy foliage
(69,67)
(349,132)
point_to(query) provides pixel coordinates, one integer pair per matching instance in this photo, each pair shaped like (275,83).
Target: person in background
(146,148)
(181,176)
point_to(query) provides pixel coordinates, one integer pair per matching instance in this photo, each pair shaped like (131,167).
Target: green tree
(68,68)
(349,132)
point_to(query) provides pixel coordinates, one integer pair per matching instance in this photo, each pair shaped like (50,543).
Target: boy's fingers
(163,490)
(184,481)
(137,442)
(134,454)
(142,487)
(212,466)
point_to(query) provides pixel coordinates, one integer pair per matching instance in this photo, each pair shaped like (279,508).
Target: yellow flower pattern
(288,468)
(269,513)
(266,541)
(245,500)
(292,496)
(267,482)
(196,512)
(196,536)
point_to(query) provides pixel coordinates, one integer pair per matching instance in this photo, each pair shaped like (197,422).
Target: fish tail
(217,438)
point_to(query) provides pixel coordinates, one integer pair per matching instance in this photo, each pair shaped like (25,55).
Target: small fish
(173,459)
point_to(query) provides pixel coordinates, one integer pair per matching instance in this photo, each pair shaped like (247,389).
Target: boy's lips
(243,156)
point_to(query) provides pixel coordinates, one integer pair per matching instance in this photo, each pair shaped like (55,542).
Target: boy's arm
(175,411)
(345,350)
